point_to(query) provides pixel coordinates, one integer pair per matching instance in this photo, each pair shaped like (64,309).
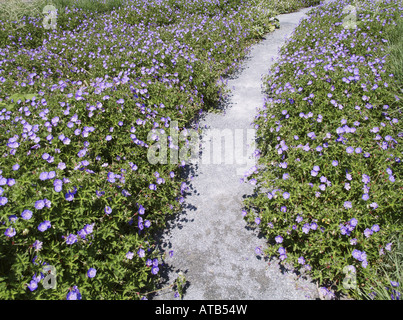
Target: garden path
(210,240)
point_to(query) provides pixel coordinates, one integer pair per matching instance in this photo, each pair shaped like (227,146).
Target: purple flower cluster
(45,225)
(360,256)
(346,229)
(36,279)
(74,294)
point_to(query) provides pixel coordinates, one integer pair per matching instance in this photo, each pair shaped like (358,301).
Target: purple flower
(61,166)
(301,260)
(356,254)
(343,230)
(375,228)
(374,205)
(152,186)
(154,270)
(43,226)
(353,242)
(111,177)
(353,222)
(82,233)
(10,232)
(51,174)
(258,251)
(58,185)
(69,196)
(71,238)
(365,196)
(26,214)
(147,223)
(32,286)
(91,273)
(140,223)
(108,210)
(257,220)
(40,204)
(47,203)
(365,178)
(305,228)
(37,245)
(129,255)
(126,193)
(43,176)
(347,205)
(279,239)
(74,294)
(141,253)
(286,195)
(89,228)
(350,150)
(16,167)
(3,201)
(367,232)
(81,153)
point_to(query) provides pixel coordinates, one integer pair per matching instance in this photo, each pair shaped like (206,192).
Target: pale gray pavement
(210,239)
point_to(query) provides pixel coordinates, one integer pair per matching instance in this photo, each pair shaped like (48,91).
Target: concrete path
(210,240)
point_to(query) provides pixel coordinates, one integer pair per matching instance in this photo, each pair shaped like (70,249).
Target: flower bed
(77,104)
(329,175)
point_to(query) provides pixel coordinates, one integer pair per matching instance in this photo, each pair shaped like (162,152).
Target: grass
(392,269)
(392,272)
(395,37)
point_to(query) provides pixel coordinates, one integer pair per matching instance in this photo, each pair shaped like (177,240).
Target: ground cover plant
(77,104)
(329,176)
